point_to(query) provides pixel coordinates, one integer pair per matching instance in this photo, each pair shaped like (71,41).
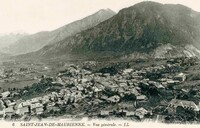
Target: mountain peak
(151,5)
(103,11)
(36,41)
(144,29)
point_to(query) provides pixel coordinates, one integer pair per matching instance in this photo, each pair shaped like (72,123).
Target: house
(9,111)
(77,96)
(5,94)
(104,113)
(184,104)
(128,113)
(136,77)
(104,97)
(75,105)
(39,110)
(18,102)
(114,99)
(60,102)
(141,112)
(107,75)
(14,94)
(97,101)
(56,109)
(144,85)
(66,97)
(126,106)
(36,105)
(8,71)
(104,83)
(121,91)
(111,87)
(35,100)
(157,85)
(172,82)
(25,69)
(141,98)
(127,71)
(23,111)
(46,99)
(2,105)
(180,77)
(97,91)
(72,99)
(7,102)
(50,106)
(23,104)
(80,87)
(134,91)
(12,104)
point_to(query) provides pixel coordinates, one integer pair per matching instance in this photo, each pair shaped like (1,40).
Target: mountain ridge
(38,40)
(8,39)
(139,29)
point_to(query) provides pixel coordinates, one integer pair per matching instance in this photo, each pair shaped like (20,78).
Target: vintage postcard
(99,63)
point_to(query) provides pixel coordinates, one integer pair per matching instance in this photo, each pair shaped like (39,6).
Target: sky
(31,16)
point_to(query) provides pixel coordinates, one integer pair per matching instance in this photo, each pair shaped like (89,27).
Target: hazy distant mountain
(37,41)
(4,56)
(7,39)
(147,29)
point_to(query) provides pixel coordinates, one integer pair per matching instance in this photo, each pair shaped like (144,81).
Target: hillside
(8,39)
(147,29)
(36,41)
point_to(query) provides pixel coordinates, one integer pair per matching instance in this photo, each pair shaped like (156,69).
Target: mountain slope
(8,39)
(37,41)
(142,30)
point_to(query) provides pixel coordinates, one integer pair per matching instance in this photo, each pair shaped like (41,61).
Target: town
(149,93)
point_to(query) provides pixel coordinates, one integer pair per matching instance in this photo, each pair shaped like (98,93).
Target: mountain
(147,29)
(36,41)
(8,39)
(4,56)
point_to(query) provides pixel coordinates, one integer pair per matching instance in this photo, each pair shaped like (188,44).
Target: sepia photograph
(100,63)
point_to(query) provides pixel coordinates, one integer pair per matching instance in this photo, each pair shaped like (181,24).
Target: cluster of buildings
(123,94)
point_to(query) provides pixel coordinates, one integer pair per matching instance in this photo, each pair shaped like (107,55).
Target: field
(17,84)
